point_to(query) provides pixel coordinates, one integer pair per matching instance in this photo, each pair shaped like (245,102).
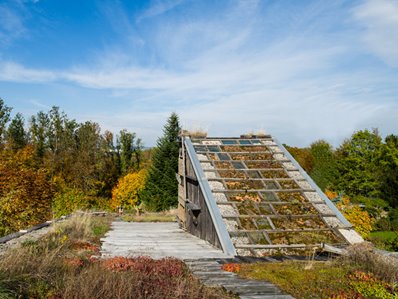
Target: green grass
(319,280)
(100,225)
(300,279)
(384,235)
(386,240)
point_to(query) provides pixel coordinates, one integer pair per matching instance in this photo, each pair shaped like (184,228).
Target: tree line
(362,171)
(54,164)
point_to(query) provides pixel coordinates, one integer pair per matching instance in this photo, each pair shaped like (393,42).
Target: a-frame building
(249,197)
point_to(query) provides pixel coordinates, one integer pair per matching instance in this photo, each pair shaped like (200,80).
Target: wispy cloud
(11,23)
(157,8)
(13,72)
(379,19)
(39,105)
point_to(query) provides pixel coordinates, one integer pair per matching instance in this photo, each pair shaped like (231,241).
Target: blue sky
(300,70)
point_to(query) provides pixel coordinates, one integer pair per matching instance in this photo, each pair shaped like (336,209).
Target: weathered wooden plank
(157,240)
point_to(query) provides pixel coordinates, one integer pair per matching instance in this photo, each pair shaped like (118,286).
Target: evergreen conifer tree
(16,134)
(161,188)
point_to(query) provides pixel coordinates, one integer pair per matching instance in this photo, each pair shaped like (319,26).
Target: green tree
(324,170)
(389,170)
(108,165)
(358,164)
(161,188)
(87,155)
(39,130)
(4,119)
(16,134)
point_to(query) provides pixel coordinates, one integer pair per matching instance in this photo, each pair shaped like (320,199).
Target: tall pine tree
(161,188)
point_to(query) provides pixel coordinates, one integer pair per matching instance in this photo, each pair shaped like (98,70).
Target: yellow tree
(25,192)
(128,189)
(359,218)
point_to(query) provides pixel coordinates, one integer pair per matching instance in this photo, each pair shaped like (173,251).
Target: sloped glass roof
(264,200)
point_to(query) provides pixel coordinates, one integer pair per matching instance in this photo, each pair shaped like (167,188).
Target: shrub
(70,200)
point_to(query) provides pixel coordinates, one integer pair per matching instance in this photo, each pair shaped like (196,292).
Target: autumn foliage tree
(303,156)
(55,164)
(25,192)
(127,192)
(355,214)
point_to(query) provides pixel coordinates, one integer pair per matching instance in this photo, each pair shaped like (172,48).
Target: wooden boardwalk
(157,240)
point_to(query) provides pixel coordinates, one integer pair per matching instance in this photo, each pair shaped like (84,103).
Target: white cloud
(380,20)
(13,72)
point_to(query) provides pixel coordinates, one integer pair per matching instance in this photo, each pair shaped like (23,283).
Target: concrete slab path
(157,240)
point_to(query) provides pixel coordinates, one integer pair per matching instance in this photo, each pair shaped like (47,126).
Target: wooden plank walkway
(166,239)
(157,240)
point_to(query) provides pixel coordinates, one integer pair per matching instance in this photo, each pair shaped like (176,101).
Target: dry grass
(166,216)
(61,265)
(145,278)
(363,257)
(198,133)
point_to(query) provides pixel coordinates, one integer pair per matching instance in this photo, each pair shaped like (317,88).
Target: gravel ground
(313,196)
(32,236)
(295,175)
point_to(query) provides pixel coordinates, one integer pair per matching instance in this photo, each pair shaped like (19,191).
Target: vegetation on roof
(360,274)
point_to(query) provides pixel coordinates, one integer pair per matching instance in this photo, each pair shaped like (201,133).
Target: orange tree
(128,190)
(25,191)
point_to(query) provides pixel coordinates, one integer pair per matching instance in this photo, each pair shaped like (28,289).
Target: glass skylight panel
(228,142)
(238,165)
(213,148)
(223,156)
(200,148)
(269,196)
(254,174)
(271,185)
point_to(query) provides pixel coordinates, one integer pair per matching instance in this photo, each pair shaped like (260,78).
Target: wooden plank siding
(202,226)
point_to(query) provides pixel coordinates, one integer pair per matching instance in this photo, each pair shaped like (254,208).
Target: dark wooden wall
(203,227)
